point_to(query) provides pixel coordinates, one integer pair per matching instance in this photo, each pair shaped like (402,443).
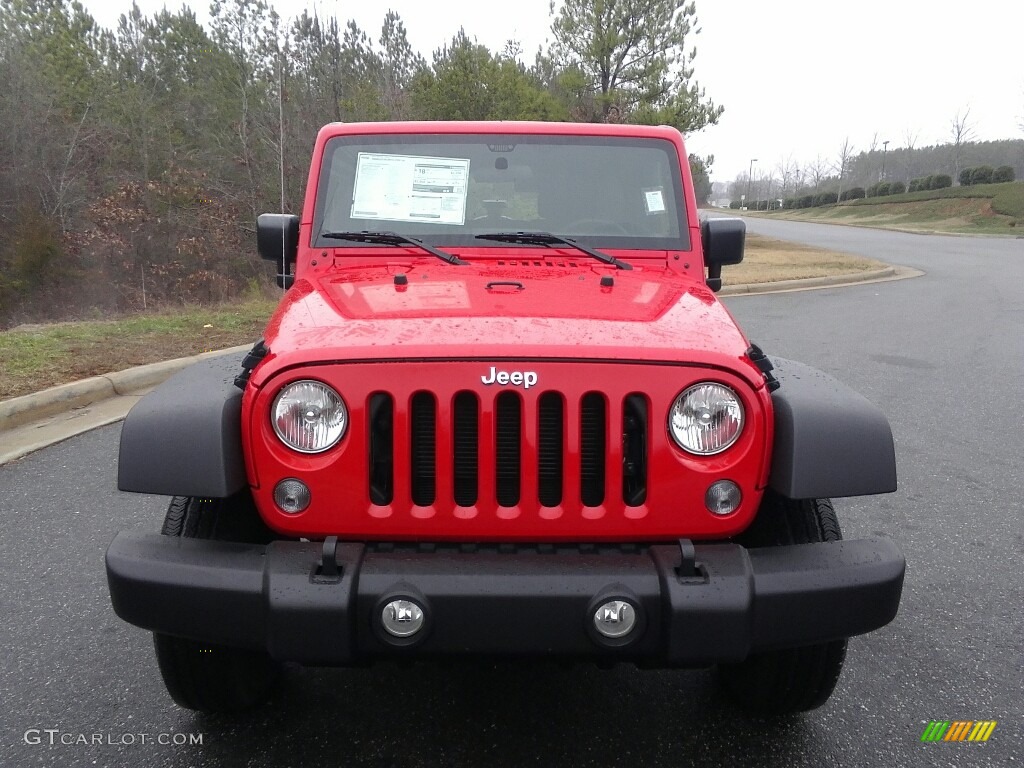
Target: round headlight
(309,416)
(706,418)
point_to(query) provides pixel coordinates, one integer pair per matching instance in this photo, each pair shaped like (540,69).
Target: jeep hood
(488,312)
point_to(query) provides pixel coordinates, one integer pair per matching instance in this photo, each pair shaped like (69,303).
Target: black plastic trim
(829,440)
(252,358)
(733,602)
(184,437)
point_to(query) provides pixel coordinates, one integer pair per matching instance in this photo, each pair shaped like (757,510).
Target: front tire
(205,676)
(792,679)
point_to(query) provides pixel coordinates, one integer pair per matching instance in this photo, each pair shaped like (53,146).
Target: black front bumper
(696,605)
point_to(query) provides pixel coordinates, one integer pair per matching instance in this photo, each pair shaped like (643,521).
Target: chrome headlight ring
(706,418)
(308,416)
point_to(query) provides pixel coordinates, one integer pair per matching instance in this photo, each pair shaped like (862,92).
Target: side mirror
(277,240)
(722,240)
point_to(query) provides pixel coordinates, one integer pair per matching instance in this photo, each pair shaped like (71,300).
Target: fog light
(292,496)
(616,618)
(402,618)
(723,497)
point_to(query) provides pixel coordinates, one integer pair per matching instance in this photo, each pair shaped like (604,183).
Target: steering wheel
(596,227)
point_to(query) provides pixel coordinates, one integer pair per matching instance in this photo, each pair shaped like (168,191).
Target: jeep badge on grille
(524,379)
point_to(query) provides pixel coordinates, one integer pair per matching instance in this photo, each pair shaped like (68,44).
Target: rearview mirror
(277,240)
(722,241)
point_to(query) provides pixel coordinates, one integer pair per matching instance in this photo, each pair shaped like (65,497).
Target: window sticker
(410,188)
(654,200)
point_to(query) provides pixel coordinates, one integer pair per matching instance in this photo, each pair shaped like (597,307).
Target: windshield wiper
(546,238)
(392,238)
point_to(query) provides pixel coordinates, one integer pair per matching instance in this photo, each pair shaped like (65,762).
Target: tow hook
(328,571)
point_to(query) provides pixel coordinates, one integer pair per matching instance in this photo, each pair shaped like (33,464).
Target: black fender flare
(184,438)
(829,440)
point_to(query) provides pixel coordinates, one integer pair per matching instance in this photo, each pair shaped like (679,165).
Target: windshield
(605,192)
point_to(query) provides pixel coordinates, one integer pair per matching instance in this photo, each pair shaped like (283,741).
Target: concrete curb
(27,408)
(19,411)
(831,281)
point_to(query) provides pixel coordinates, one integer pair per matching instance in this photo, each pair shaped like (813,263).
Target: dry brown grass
(34,357)
(767,260)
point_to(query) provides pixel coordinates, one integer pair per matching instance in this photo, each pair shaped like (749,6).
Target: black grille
(423,459)
(549,449)
(634,450)
(465,448)
(508,438)
(592,449)
(382,471)
(420,441)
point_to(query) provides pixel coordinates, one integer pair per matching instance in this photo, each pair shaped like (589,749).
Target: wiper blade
(546,238)
(392,238)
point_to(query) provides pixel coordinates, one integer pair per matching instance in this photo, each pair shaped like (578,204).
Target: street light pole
(750,175)
(885,146)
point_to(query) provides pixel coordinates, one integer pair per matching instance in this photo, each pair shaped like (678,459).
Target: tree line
(134,160)
(876,167)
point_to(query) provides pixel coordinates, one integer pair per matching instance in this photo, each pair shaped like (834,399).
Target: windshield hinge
(760,359)
(250,361)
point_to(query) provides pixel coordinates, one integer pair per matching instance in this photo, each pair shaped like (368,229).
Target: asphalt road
(942,355)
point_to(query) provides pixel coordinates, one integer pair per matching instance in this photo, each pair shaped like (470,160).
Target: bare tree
(843,162)
(62,182)
(768,181)
(817,171)
(910,137)
(962,132)
(787,169)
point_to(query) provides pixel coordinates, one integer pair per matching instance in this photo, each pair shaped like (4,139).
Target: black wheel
(792,679)
(205,676)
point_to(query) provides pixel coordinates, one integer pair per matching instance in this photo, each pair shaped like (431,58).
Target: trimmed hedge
(982,175)
(897,188)
(986,174)
(1002,174)
(854,193)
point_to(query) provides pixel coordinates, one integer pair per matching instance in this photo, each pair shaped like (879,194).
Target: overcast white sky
(796,77)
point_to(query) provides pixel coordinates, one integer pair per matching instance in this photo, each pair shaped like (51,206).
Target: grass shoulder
(767,260)
(34,357)
(984,209)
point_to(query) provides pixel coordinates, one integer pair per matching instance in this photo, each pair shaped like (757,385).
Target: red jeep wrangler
(500,411)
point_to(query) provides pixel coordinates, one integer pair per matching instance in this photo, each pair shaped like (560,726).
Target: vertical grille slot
(508,437)
(549,449)
(465,448)
(423,458)
(634,450)
(592,449)
(382,447)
